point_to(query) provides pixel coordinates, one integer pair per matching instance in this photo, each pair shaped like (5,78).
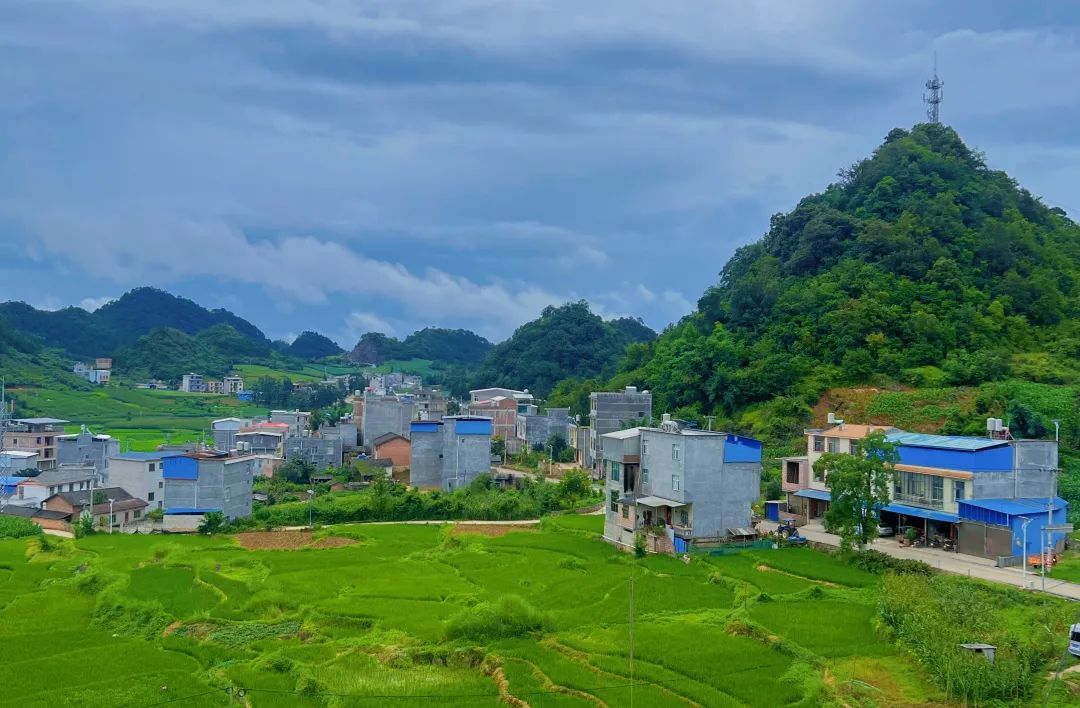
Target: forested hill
(120,323)
(445,346)
(921,265)
(566,341)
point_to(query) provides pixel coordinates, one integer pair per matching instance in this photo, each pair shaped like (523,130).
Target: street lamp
(1027,521)
(110,513)
(310,506)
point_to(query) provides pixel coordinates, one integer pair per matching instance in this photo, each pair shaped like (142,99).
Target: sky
(358,165)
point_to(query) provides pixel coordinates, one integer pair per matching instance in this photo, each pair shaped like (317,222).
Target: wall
(396,450)
(988,459)
(237,478)
(382,416)
(466,451)
(608,410)
(134,477)
(87,449)
(321,452)
(425,455)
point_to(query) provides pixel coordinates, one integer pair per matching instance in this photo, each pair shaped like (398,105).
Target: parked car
(883,530)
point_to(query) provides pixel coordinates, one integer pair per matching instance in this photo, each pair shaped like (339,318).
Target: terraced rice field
(361,620)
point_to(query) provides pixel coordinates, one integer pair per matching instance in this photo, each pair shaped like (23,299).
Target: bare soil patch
(491,529)
(273,540)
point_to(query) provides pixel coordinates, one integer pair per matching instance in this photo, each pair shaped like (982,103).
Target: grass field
(141,620)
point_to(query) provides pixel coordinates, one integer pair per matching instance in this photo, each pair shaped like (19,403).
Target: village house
(37,435)
(613,410)
(533,429)
(679,485)
(385,414)
(140,474)
(110,507)
(192,383)
(85,448)
(979,492)
(297,420)
(196,483)
(502,405)
(17,462)
(33,491)
(224,431)
(393,447)
(448,454)
(322,452)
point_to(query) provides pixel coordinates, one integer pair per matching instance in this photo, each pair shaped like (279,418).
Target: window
(792,474)
(160,485)
(684,518)
(626,511)
(159,505)
(819,444)
(644,446)
(834,445)
(645,475)
(114,518)
(854,447)
(150,496)
(640,414)
(614,500)
(676,482)
(958,491)
(38,441)
(614,471)
(675,452)
(819,473)
(153,467)
(138,514)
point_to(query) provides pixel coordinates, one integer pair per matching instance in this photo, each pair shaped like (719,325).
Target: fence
(727,549)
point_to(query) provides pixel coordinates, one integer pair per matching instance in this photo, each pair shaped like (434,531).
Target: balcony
(919,500)
(686,531)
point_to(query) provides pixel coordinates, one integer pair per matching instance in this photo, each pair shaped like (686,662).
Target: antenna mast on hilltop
(934,95)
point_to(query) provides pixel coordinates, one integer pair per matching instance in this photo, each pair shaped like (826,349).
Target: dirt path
(492,529)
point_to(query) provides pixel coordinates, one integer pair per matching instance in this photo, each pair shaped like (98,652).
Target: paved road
(948,562)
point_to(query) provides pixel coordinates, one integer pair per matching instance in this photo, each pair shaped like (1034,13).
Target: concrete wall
(425,455)
(222,484)
(321,452)
(134,477)
(385,415)
(448,454)
(87,450)
(608,411)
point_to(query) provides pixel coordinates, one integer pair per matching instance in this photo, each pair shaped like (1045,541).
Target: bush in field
(880,563)
(18,527)
(932,616)
(509,616)
(213,522)
(84,526)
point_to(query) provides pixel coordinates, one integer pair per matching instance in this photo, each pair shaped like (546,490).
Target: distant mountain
(121,322)
(312,345)
(447,346)
(564,342)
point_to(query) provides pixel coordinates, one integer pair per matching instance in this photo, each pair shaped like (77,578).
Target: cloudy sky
(355,165)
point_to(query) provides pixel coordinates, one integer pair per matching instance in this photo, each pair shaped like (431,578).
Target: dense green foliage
(119,323)
(920,256)
(168,354)
(312,345)
(932,616)
(508,616)
(860,485)
(17,527)
(444,346)
(565,341)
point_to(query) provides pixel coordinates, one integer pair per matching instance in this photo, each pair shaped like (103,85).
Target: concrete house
(503,411)
(199,482)
(192,383)
(116,508)
(33,491)
(85,448)
(16,462)
(295,419)
(695,485)
(214,386)
(978,491)
(233,385)
(385,414)
(392,447)
(225,430)
(37,435)
(140,474)
(95,375)
(610,411)
(258,442)
(448,454)
(532,428)
(319,451)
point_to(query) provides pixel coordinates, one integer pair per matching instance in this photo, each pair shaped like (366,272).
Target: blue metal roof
(944,442)
(143,456)
(190,510)
(1016,507)
(814,494)
(921,513)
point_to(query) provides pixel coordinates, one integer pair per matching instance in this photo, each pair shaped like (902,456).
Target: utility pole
(934,95)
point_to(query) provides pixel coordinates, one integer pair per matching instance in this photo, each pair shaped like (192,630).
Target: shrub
(213,522)
(155,514)
(571,563)
(509,616)
(18,527)
(84,525)
(879,563)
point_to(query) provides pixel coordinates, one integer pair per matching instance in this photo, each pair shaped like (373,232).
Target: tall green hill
(444,346)
(565,341)
(312,345)
(121,322)
(921,265)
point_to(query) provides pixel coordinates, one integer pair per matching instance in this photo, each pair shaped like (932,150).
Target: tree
(213,522)
(498,447)
(296,470)
(84,525)
(859,484)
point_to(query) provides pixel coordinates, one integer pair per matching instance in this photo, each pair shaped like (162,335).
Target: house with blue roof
(980,492)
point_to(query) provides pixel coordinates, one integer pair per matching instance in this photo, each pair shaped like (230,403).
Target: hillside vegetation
(921,265)
(312,345)
(444,346)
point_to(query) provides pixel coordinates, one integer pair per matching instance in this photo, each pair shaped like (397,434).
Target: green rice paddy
(121,620)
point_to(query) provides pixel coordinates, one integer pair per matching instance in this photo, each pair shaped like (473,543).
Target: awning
(658,501)
(739,531)
(921,513)
(1017,507)
(814,494)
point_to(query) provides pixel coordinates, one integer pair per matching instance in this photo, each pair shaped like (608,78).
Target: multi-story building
(296,420)
(430,403)
(322,452)
(92,374)
(140,473)
(199,482)
(214,386)
(233,385)
(579,438)
(385,414)
(448,454)
(36,435)
(691,485)
(17,462)
(534,429)
(614,410)
(85,448)
(225,431)
(259,442)
(502,405)
(978,491)
(192,383)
